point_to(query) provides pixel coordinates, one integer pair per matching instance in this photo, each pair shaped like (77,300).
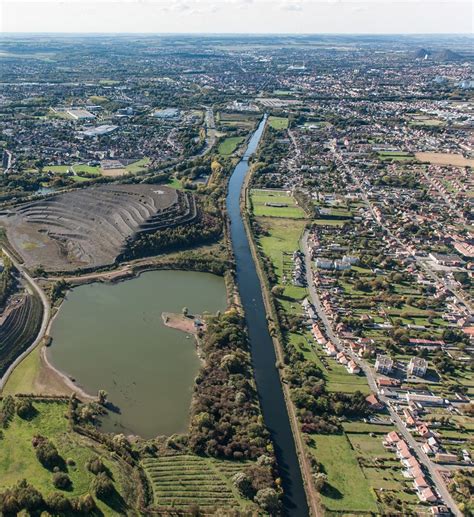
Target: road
(420,263)
(371,380)
(30,281)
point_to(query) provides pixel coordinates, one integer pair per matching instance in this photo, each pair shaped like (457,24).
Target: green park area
(19,459)
(278,123)
(275,203)
(229,145)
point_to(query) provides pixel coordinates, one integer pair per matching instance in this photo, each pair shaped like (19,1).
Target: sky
(238,16)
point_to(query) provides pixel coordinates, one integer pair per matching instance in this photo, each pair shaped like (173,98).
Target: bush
(102,486)
(46,452)
(61,481)
(58,503)
(22,496)
(95,465)
(267,498)
(24,408)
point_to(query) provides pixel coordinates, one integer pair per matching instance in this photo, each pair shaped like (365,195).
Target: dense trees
(226,419)
(47,453)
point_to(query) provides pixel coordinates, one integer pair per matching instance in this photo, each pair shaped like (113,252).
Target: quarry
(86,229)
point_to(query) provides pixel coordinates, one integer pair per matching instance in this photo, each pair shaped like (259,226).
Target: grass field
(261,198)
(278,122)
(179,481)
(283,238)
(18,459)
(348,488)
(229,145)
(138,166)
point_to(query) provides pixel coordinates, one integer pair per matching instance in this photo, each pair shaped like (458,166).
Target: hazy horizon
(238,17)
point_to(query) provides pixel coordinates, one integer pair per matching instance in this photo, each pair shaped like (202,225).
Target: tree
(320,480)
(58,503)
(102,486)
(267,498)
(61,480)
(243,484)
(185,312)
(102,397)
(24,408)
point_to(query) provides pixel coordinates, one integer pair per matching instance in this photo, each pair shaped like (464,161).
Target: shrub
(61,481)
(102,486)
(46,452)
(24,408)
(267,498)
(58,503)
(95,465)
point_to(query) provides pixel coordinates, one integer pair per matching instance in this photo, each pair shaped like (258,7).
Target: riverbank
(273,325)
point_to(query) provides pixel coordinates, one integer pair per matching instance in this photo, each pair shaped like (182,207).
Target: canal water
(262,350)
(112,337)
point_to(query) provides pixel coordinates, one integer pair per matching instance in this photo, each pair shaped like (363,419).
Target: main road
(371,380)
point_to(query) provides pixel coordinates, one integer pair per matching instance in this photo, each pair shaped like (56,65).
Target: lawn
(261,199)
(348,489)
(278,122)
(229,145)
(18,459)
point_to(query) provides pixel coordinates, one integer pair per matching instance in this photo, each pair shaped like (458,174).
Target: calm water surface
(112,337)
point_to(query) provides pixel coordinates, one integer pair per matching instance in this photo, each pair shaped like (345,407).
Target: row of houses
(411,467)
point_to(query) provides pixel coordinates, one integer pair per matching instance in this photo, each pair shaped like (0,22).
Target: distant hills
(439,55)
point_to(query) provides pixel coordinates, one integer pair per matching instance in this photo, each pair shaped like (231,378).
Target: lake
(112,337)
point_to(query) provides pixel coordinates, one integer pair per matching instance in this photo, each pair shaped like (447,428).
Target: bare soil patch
(456,160)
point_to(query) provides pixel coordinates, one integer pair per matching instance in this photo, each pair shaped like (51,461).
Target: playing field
(275,203)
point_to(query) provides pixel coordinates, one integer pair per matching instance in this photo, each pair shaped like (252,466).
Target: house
(383,364)
(331,350)
(352,367)
(417,366)
(427,495)
(446,260)
(392,438)
(382,382)
(374,402)
(440,511)
(444,457)
(424,400)
(409,418)
(420,483)
(342,358)
(423,430)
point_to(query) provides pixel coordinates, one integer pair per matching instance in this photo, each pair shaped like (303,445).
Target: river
(263,353)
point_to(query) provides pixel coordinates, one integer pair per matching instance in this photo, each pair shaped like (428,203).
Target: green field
(18,459)
(283,238)
(348,489)
(278,122)
(229,145)
(261,198)
(138,166)
(179,481)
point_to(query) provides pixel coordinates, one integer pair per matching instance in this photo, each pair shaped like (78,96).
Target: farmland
(181,481)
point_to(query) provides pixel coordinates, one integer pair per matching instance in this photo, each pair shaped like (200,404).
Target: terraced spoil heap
(90,228)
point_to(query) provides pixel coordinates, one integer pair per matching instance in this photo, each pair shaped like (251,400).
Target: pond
(112,337)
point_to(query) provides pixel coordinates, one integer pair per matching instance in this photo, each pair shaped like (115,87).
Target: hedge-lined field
(181,481)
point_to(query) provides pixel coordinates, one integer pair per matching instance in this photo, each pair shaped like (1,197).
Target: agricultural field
(445,159)
(275,203)
(239,120)
(278,123)
(18,459)
(181,481)
(229,145)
